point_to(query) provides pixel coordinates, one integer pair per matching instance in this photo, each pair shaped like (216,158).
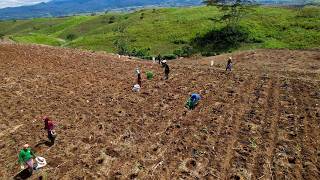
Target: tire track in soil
(246,142)
(306,133)
(225,139)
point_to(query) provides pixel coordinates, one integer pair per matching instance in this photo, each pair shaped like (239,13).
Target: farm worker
(193,100)
(26,157)
(159,58)
(166,69)
(229,64)
(49,126)
(138,73)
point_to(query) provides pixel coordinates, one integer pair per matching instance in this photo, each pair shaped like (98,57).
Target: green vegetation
(172,32)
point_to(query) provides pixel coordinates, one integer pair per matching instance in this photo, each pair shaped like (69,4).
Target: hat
(41,162)
(164,61)
(230,58)
(26,146)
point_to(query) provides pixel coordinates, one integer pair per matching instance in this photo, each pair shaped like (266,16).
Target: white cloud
(14,3)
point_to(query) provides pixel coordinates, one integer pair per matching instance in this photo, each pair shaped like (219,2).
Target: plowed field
(261,121)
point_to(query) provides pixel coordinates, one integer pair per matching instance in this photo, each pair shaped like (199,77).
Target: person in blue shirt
(193,101)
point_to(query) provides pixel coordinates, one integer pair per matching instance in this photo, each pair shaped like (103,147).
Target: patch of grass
(38,39)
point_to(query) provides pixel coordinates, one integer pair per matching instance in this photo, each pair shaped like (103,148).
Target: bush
(142,16)
(221,40)
(121,47)
(1,36)
(208,54)
(149,75)
(71,37)
(179,41)
(112,19)
(169,56)
(185,51)
(140,52)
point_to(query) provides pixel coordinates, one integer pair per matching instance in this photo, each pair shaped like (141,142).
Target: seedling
(253,143)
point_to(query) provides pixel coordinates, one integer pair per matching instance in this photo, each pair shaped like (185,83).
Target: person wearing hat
(139,79)
(49,126)
(229,64)
(166,69)
(26,156)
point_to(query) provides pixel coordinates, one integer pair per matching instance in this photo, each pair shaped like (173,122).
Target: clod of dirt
(191,164)
(133,176)
(236,177)
(111,152)
(100,161)
(292,160)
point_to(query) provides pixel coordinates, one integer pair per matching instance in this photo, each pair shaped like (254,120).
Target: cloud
(14,3)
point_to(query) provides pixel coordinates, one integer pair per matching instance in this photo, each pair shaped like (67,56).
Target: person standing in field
(139,79)
(229,64)
(49,126)
(166,69)
(159,58)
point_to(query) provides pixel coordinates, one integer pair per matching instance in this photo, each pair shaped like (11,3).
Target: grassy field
(167,29)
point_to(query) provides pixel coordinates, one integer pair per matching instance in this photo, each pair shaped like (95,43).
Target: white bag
(41,162)
(136,88)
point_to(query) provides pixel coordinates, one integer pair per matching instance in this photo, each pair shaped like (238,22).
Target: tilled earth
(260,121)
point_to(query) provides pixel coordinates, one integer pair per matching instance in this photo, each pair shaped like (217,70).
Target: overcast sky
(13,3)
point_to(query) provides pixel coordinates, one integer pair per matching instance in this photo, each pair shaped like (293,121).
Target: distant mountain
(69,7)
(56,8)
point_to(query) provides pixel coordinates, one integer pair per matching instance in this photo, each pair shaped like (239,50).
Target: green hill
(168,29)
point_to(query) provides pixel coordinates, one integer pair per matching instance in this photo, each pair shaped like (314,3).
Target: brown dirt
(259,122)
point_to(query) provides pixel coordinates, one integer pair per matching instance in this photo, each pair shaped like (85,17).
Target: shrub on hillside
(121,47)
(140,52)
(112,19)
(142,16)
(71,37)
(147,57)
(179,41)
(221,40)
(185,51)
(169,56)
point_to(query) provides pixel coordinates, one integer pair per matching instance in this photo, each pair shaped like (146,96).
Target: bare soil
(260,121)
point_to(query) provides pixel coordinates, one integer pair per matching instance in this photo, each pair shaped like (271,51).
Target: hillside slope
(169,29)
(261,120)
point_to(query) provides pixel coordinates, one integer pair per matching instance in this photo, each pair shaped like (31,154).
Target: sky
(14,3)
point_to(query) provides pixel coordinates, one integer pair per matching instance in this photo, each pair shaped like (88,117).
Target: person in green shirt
(26,157)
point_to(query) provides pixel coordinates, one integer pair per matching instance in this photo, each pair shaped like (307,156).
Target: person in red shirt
(49,126)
